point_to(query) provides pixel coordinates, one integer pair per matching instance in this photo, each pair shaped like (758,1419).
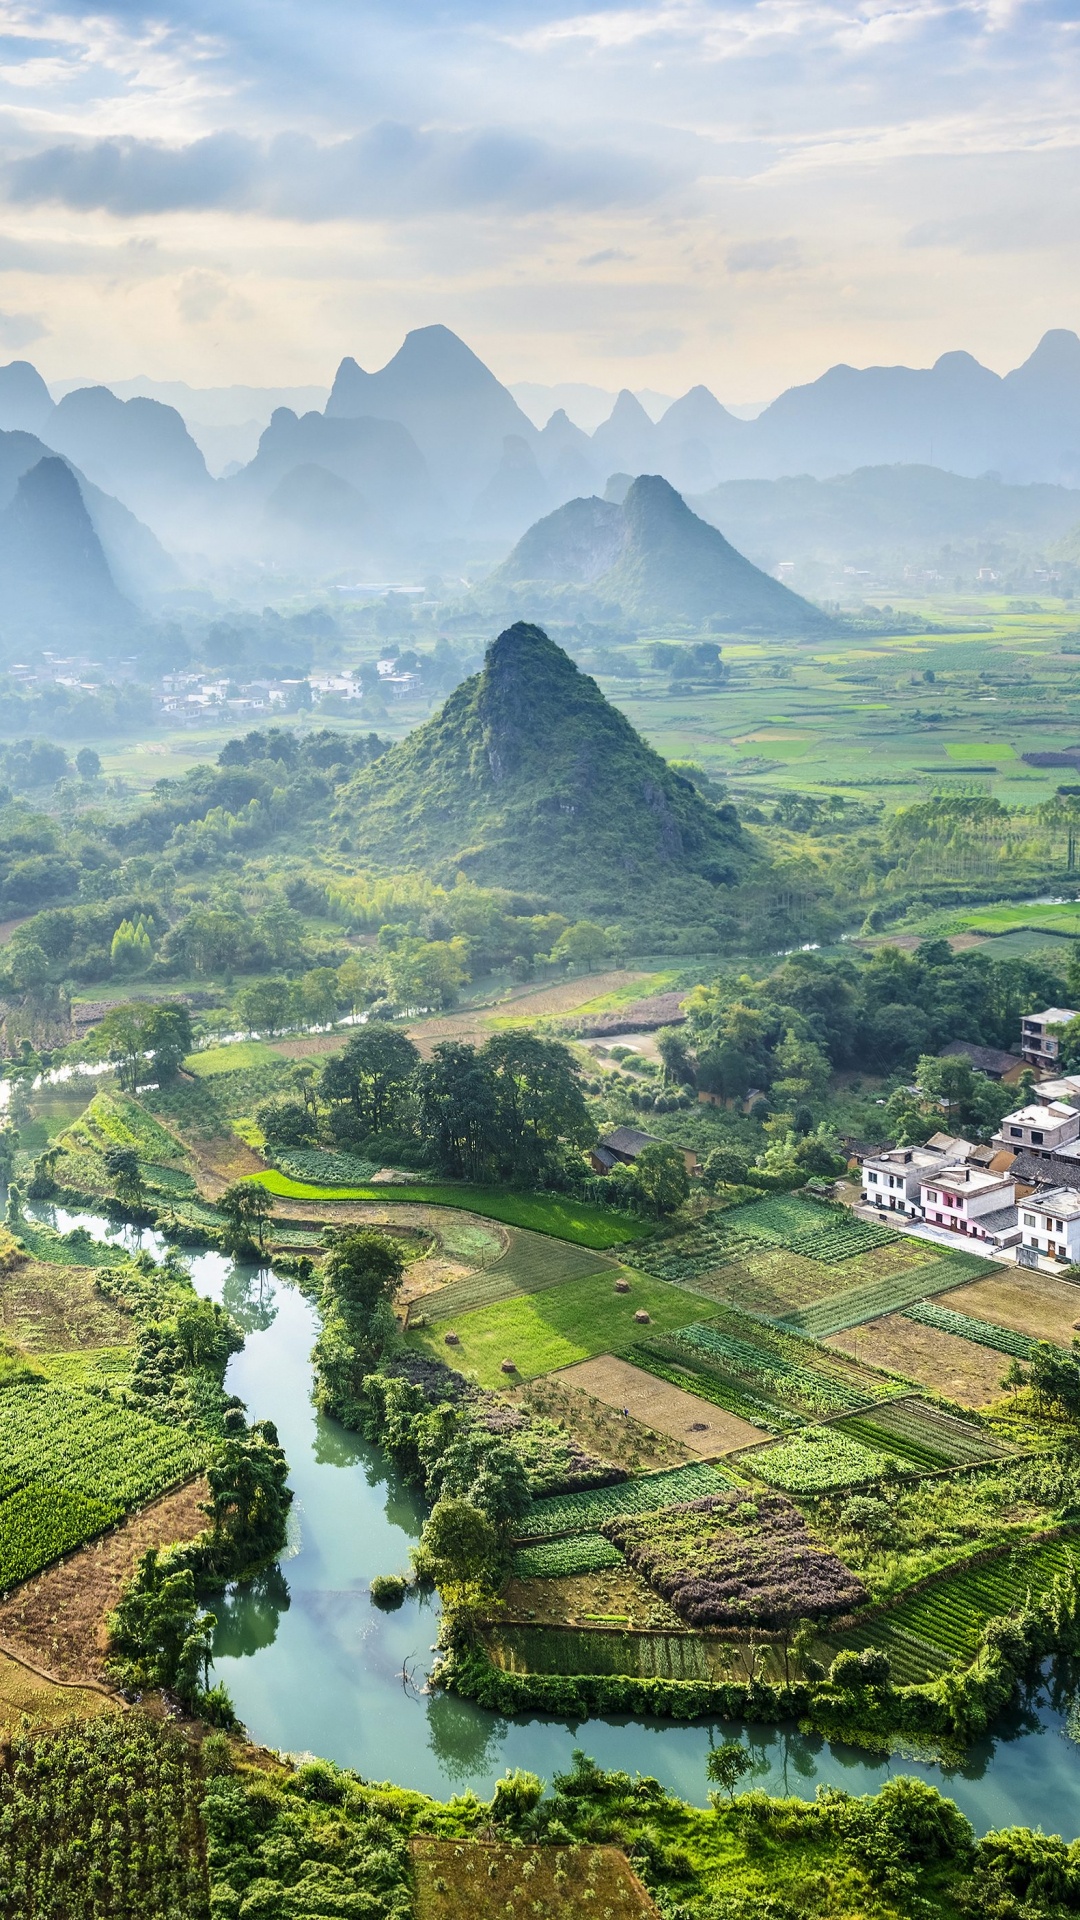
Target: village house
(623,1145)
(991,1061)
(1044,1129)
(892,1179)
(973,1202)
(1038,1045)
(1050,1223)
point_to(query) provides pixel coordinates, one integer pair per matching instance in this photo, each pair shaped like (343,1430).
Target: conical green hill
(529,778)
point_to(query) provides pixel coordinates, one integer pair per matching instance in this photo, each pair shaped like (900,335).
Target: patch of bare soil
(1032,1303)
(51,1309)
(696,1424)
(222,1159)
(960,1369)
(57,1619)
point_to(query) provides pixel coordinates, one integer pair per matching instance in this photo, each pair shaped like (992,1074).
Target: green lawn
(542,1331)
(543,1213)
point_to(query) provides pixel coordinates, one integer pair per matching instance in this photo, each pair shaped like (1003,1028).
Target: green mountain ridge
(652,557)
(529,778)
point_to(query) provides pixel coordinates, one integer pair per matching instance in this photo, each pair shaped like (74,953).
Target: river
(313,1667)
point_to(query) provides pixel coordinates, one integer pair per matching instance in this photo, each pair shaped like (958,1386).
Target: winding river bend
(313,1667)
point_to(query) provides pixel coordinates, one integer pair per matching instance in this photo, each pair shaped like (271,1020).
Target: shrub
(388,1591)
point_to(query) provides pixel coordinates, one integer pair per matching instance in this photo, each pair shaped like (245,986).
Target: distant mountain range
(652,559)
(429,465)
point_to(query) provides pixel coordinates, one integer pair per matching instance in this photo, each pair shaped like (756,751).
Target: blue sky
(641,194)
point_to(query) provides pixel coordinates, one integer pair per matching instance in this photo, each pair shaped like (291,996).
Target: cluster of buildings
(1021,1194)
(196,696)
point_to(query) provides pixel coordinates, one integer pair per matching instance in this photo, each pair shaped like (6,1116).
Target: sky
(647,193)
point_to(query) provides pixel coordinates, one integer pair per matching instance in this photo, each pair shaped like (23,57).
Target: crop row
(571,1650)
(531,1265)
(870,1301)
(580,1553)
(906,1447)
(693,1373)
(951,1615)
(984,1333)
(963,1442)
(116,1119)
(817,1232)
(816,1461)
(788,1367)
(585,1512)
(72,1463)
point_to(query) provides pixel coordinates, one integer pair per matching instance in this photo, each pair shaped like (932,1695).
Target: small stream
(313,1667)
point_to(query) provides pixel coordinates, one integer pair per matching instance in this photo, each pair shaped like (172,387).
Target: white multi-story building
(1050,1223)
(1041,1129)
(1038,1045)
(972,1202)
(891,1180)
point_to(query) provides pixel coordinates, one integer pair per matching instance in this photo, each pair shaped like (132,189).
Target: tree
(144,1042)
(459,1550)
(678,1067)
(286,1123)
(370,1076)
(122,1167)
(537,1099)
(457,1111)
(206,1335)
(247,1206)
(87,764)
(661,1178)
(319,995)
(266,1006)
(361,1270)
(249,1494)
(1068,1033)
(804,1070)
(724,1167)
(727,1765)
(583,945)
(157,1635)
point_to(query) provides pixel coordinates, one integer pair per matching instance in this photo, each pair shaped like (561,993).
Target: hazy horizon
(641,193)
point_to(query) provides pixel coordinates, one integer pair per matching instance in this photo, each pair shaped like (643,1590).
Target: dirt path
(56,1620)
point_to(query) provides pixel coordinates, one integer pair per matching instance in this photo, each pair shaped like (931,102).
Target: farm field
(797,1373)
(817,1461)
(923,1437)
(586,1512)
(50,1309)
(574,1220)
(71,1464)
(544,1332)
(962,1371)
(477,1879)
(694,1422)
(601,1429)
(1038,1304)
(610,1594)
(940,1626)
(871,1298)
(531,1263)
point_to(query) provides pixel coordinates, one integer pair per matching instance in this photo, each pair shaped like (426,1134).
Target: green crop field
(554,1328)
(231,1059)
(875,1298)
(786,1368)
(581,1553)
(579,1513)
(926,1435)
(531,1263)
(542,1212)
(985,1333)
(326,1169)
(940,1627)
(816,1461)
(71,1464)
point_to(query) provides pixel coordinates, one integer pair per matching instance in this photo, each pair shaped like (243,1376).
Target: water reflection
(248,1293)
(248,1615)
(465,1746)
